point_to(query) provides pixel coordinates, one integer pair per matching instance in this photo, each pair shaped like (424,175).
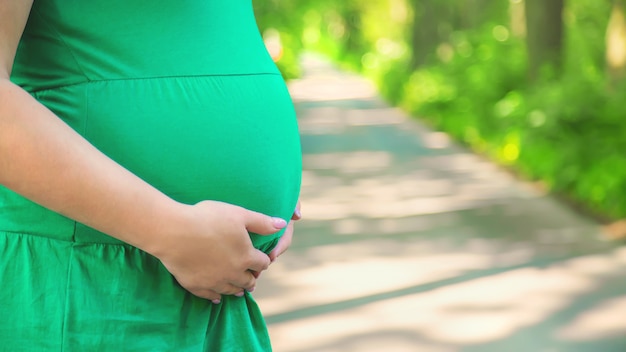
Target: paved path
(411,243)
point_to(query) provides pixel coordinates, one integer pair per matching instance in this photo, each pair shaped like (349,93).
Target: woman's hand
(285,240)
(211,254)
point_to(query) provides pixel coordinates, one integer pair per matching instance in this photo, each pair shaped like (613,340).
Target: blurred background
(464,175)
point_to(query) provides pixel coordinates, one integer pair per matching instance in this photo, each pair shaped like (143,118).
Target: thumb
(262,224)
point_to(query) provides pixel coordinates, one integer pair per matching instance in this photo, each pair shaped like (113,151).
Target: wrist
(166,228)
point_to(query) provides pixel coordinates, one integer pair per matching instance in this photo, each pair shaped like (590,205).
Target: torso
(186,97)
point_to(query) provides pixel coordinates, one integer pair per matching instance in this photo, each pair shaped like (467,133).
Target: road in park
(411,243)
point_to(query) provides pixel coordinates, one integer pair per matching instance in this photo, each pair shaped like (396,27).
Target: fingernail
(279,223)
(239,294)
(298,213)
(252,289)
(216,301)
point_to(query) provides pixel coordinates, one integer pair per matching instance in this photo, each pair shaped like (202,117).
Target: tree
(424,34)
(616,43)
(544,35)
(434,21)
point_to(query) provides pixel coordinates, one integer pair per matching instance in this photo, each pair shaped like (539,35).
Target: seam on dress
(67,298)
(74,243)
(25,233)
(67,47)
(37,91)
(73,238)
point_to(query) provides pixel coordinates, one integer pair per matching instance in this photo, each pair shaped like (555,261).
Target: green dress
(182,93)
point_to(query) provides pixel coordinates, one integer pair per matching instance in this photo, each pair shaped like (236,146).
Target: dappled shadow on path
(411,243)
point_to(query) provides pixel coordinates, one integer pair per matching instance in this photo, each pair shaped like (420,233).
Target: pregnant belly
(225,138)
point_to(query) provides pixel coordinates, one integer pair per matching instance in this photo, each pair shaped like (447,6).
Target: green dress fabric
(184,95)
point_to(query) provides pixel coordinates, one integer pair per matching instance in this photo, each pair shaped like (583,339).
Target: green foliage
(475,95)
(563,131)
(282,19)
(572,141)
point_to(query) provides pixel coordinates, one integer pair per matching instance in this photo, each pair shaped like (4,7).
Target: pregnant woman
(149,163)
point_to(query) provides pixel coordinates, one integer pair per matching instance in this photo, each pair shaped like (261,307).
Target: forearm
(46,161)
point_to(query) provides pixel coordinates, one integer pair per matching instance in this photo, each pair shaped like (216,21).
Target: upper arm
(13,17)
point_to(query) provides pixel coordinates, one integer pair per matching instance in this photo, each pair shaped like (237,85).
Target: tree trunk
(517,19)
(471,14)
(616,43)
(425,34)
(352,17)
(544,36)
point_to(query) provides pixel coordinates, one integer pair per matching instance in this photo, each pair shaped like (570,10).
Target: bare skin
(285,240)
(206,246)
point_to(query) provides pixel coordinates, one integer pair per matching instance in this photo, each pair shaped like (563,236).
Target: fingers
(237,289)
(259,261)
(285,240)
(210,295)
(283,243)
(262,224)
(297,214)
(215,297)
